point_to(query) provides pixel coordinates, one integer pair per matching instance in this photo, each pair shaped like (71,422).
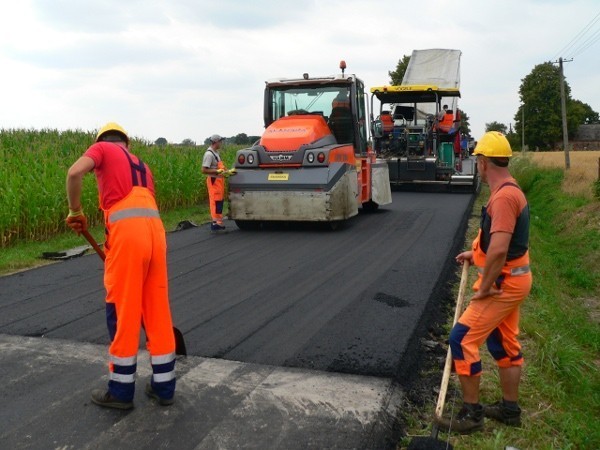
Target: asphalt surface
(298,337)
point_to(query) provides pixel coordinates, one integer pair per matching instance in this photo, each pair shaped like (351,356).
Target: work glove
(77,221)
(232,171)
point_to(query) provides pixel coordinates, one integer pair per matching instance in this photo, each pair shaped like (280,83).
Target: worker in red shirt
(501,254)
(135,270)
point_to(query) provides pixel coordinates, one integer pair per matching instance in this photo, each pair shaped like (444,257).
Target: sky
(186,69)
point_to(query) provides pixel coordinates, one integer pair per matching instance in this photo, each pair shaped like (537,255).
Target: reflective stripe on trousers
(163,375)
(514,271)
(132,212)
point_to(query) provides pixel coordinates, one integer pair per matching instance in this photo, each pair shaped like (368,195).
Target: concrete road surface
(301,337)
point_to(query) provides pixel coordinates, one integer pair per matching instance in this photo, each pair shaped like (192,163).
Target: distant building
(587,137)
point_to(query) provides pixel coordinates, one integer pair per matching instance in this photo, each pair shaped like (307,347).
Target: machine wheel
(370,206)
(247,224)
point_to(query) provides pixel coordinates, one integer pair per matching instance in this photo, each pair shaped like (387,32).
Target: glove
(220,171)
(77,221)
(232,171)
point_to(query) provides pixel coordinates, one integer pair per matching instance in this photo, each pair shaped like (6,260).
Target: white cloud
(187,69)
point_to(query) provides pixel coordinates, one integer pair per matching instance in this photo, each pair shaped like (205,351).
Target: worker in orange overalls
(501,254)
(135,271)
(214,169)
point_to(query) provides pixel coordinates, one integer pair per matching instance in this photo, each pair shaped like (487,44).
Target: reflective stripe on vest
(132,212)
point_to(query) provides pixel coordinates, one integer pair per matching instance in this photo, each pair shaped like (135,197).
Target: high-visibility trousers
(494,320)
(136,282)
(216,195)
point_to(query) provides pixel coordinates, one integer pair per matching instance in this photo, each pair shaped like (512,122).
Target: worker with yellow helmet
(501,254)
(135,270)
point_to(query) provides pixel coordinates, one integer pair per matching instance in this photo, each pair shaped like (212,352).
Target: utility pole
(523,127)
(563,104)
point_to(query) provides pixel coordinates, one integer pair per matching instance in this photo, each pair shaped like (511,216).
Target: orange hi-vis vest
(216,192)
(517,260)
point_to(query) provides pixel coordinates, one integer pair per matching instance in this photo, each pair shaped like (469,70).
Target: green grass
(24,255)
(560,389)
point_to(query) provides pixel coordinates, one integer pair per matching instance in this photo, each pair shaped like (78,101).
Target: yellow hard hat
(112,126)
(493,144)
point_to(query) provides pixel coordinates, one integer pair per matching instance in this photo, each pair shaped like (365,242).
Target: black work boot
(468,420)
(500,411)
(102,398)
(161,400)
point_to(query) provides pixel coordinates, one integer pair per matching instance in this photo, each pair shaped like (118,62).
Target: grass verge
(560,389)
(25,255)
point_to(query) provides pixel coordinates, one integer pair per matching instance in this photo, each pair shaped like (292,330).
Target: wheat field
(584,170)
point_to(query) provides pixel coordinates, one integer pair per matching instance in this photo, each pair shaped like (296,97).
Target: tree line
(238,139)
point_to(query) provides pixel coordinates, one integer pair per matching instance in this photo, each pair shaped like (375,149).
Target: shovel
(180,348)
(432,442)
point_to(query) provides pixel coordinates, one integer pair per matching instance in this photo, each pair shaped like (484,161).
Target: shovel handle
(93,243)
(448,366)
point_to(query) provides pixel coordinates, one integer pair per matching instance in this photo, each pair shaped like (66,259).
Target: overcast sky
(183,69)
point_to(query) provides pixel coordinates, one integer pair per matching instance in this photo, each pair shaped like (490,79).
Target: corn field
(33,170)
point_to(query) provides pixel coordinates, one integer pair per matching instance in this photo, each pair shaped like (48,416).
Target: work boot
(217,227)
(161,401)
(106,399)
(502,413)
(468,420)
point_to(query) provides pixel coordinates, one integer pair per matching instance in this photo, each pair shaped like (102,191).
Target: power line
(587,44)
(573,42)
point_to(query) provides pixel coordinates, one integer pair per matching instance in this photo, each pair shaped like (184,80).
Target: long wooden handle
(448,366)
(93,243)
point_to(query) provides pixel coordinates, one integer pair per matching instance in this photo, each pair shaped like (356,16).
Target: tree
(188,143)
(465,126)
(397,75)
(540,102)
(495,126)
(241,139)
(540,112)
(579,113)
(161,141)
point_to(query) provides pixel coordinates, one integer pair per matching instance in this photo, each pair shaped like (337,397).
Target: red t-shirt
(113,172)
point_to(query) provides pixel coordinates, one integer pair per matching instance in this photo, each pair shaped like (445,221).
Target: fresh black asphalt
(299,337)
